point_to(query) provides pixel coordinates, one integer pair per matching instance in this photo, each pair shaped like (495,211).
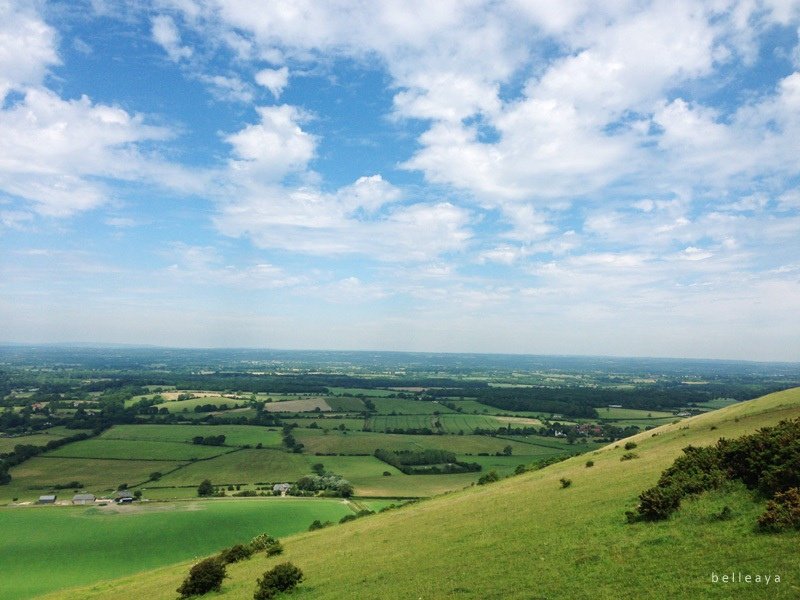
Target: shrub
(317,524)
(629,456)
(266,543)
(630,445)
(658,503)
(280,578)
(205,576)
(783,512)
(235,553)
(589,463)
(565,483)
(490,477)
(205,488)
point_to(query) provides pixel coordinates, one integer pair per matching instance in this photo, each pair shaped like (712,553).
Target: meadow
(235,435)
(530,536)
(92,544)
(35,477)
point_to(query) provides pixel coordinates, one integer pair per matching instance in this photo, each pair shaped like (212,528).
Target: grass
(527,537)
(345,404)
(357,442)
(33,477)
(450,422)
(305,405)
(178,406)
(38,439)
(244,466)
(716,403)
(324,422)
(92,544)
(235,435)
(136,450)
(632,413)
(408,407)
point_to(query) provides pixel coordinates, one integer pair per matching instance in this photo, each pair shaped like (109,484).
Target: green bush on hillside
(767,461)
(280,578)
(235,553)
(490,477)
(205,576)
(783,512)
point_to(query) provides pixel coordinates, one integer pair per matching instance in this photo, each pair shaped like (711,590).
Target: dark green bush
(589,463)
(490,477)
(266,543)
(565,483)
(783,512)
(235,553)
(205,576)
(630,445)
(280,578)
(629,456)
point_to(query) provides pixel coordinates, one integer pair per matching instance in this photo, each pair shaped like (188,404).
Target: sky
(517,176)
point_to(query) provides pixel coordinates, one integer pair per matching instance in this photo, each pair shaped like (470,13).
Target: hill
(527,537)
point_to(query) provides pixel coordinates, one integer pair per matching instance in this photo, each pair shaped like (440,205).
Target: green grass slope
(526,537)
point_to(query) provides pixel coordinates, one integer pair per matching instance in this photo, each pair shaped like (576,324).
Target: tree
(507,450)
(205,576)
(205,488)
(280,578)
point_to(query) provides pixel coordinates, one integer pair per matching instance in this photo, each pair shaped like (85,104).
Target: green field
(244,466)
(235,435)
(296,406)
(716,403)
(33,477)
(408,407)
(356,442)
(177,406)
(450,422)
(39,439)
(474,407)
(345,404)
(527,536)
(327,423)
(136,450)
(632,413)
(92,544)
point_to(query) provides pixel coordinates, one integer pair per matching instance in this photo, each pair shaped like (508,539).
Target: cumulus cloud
(27,47)
(273,79)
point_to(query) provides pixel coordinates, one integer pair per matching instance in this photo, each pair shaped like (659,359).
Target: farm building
(281,488)
(83,499)
(47,499)
(124,497)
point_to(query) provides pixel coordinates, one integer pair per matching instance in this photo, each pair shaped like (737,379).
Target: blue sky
(505,176)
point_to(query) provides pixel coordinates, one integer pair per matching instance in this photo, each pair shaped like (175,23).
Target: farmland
(463,534)
(160,434)
(108,542)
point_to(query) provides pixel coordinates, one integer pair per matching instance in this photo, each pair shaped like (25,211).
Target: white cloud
(273,79)
(51,150)
(231,89)
(27,47)
(275,146)
(165,34)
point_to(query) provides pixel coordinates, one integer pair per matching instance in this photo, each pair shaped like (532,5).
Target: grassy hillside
(526,537)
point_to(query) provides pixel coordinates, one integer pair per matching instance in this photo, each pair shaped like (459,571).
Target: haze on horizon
(496,177)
